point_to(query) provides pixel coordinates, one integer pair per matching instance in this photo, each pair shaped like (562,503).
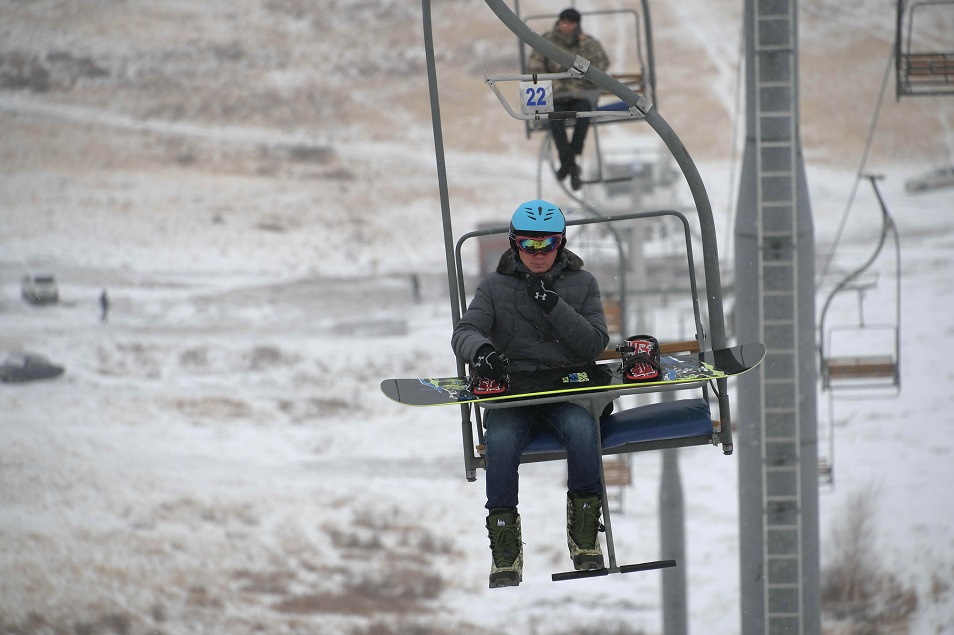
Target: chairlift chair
(657,426)
(541,451)
(924,65)
(864,369)
(867,370)
(637,73)
(645,427)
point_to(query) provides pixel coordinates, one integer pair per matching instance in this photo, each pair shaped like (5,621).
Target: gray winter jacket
(503,314)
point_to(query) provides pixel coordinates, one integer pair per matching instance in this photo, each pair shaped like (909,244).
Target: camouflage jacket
(581,44)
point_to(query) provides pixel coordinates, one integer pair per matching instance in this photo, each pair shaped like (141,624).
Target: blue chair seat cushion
(654,422)
(614,106)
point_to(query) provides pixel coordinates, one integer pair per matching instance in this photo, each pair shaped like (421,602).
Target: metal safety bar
(633,112)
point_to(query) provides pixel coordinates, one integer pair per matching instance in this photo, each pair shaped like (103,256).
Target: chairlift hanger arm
(680,155)
(887,225)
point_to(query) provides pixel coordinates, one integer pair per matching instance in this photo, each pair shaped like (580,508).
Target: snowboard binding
(486,386)
(482,386)
(640,358)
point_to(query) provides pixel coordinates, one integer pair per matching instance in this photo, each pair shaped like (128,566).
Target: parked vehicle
(39,289)
(22,367)
(941,177)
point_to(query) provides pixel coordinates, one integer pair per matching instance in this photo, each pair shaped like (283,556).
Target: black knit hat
(570,15)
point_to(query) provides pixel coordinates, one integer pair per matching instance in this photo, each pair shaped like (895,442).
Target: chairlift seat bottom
(653,422)
(861,367)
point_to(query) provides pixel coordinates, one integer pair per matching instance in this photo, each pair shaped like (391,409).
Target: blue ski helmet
(537,218)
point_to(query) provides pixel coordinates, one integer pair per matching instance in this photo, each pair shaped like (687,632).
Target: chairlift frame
(920,73)
(712,339)
(473,460)
(864,372)
(860,376)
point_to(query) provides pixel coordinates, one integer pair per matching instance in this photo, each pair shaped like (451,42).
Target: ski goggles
(534,245)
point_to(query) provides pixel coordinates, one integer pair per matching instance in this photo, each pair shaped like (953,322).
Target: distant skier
(103,306)
(539,310)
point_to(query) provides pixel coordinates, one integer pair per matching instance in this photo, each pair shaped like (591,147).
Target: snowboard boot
(506,547)
(582,531)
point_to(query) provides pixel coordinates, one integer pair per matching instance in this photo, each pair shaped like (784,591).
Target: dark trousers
(567,148)
(509,430)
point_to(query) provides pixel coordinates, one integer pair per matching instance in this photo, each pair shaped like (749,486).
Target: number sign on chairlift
(536,97)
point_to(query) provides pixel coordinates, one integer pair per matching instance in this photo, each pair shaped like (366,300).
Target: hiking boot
(582,531)
(506,547)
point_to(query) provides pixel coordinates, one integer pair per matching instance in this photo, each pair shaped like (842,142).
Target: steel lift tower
(775,304)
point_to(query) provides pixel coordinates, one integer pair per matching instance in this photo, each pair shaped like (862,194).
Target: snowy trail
(707,22)
(374,153)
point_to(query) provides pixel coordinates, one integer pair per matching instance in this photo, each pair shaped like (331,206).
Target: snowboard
(675,369)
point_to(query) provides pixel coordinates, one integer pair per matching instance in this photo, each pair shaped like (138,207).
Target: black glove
(489,364)
(541,295)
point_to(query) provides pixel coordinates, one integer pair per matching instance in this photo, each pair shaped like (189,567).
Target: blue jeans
(509,430)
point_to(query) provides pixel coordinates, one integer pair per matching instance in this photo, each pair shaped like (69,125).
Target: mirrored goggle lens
(538,245)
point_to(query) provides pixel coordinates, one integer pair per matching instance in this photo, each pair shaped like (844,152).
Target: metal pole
(672,541)
(650,48)
(439,154)
(470,467)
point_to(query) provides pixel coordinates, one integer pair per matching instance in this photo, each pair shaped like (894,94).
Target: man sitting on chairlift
(539,310)
(570,94)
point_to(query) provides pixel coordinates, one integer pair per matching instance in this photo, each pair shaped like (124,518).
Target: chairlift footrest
(626,568)
(574,575)
(647,566)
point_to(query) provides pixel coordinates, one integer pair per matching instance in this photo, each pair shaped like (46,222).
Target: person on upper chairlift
(539,310)
(570,94)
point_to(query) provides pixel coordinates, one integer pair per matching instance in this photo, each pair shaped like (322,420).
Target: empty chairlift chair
(924,47)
